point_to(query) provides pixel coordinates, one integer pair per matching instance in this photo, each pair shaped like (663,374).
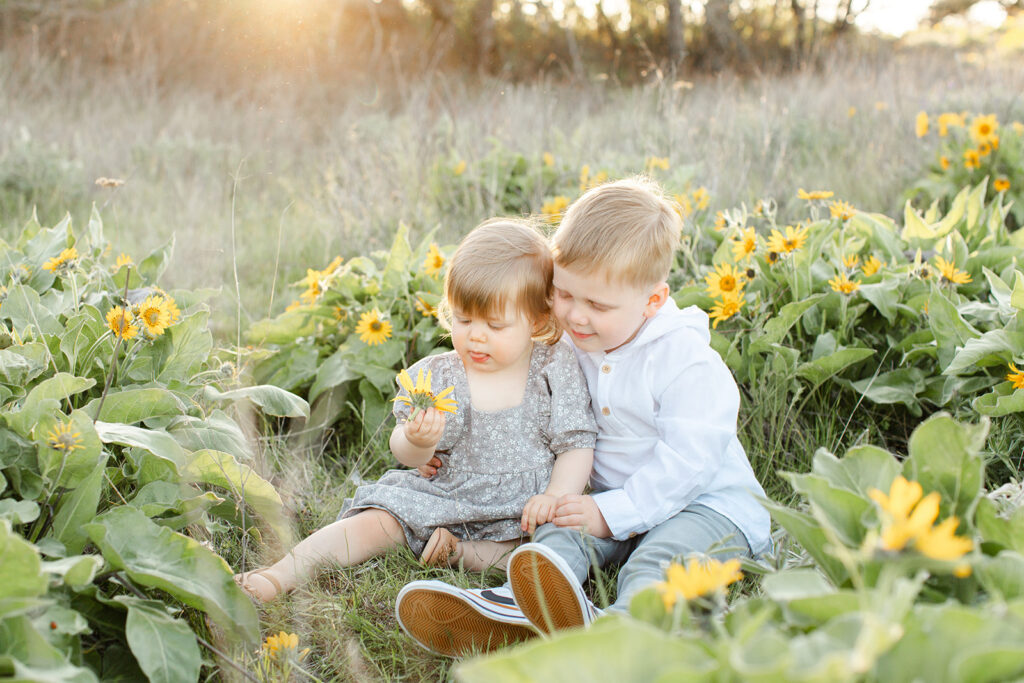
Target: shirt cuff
(621,516)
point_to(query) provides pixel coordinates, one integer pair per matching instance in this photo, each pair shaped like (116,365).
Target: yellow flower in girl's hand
(420,395)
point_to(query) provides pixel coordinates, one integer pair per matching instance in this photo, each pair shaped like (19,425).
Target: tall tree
(676,39)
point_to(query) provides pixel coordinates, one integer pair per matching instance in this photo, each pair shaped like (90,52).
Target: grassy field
(257,185)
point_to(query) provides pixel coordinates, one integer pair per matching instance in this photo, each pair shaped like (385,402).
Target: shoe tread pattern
(548,600)
(447,625)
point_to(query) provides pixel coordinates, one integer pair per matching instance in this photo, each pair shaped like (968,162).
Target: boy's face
(601,315)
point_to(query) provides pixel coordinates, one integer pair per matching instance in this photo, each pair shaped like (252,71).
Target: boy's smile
(601,315)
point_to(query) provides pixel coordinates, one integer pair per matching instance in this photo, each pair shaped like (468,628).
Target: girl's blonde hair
(502,262)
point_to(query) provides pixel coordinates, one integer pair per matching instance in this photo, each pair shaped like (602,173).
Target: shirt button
(632,534)
(606,369)
(606,411)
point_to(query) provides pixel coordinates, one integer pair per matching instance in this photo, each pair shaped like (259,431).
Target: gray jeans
(644,558)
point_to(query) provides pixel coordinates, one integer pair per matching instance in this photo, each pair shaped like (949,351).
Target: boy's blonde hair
(627,230)
(502,262)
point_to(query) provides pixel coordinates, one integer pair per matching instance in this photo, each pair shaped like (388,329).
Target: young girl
(522,434)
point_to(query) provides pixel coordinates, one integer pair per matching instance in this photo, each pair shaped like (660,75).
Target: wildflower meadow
(202,341)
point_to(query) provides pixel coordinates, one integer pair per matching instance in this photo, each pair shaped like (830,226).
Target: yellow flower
(549,159)
(720,220)
(948,119)
(921,124)
(950,272)
(154,315)
(744,245)
(941,542)
(903,496)
(172,309)
(123,260)
(1016,376)
(730,304)
(984,149)
(61,438)
(657,162)
(460,167)
(851,261)
(425,308)
(1018,127)
(421,396)
(684,207)
(844,285)
(871,266)
(434,263)
(372,328)
(906,515)
(554,208)
(120,323)
(1001,184)
(66,259)
(983,128)
(701,198)
(724,279)
(313,287)
(282,645)
(851,112)
(972,159)
(794,239)
(772,257)
(841,210)
(697,578)
(944,162)
(813,194)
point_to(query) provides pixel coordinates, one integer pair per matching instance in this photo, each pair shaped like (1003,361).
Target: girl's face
(492,344)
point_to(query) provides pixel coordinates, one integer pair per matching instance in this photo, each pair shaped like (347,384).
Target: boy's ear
(656,298)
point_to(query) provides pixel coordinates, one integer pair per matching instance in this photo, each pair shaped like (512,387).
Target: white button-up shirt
(666,408)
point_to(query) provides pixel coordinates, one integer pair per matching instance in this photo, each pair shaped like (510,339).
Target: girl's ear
(656,298)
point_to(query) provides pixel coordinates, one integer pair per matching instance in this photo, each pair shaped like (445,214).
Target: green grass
(275,179)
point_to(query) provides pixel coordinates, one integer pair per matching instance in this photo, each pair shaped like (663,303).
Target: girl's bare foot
(442,550)
(260,585)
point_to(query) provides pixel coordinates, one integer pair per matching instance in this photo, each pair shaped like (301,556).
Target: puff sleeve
(571,423)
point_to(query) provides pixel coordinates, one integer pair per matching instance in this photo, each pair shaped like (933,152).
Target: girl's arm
(568,476)
(413,442)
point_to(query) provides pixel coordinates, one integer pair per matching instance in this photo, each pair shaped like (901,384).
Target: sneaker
(546,590)
(457,622)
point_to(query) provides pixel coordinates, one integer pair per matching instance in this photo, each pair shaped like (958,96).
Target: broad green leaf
(284,329)
(868,467)
(896,386)
(30,658)
(1017,295)
(78,507)
(220,469)
(44,399)
(884,296)
(823,608)
(776,328)
(843,510)
(159,443)
(613,649)
(273,400)
(20,573)
(999,291)
(18,511)
(975,204)
(77,572)
(71,467)
(25,309)
(153,266)
(191,343)
(157,557)
(165,647)
(1002,400)
(334,371)
(217,431)
(996,347)
(982,663)
(807,532)
(821,369)
(45,243)
(17,369)
(881,231)
(400,256)
(80,333)
(95,232)
(1006,530)
(914,227)
(945,456)
(949,327)
(1002,575)
(793,584)
(134,405)
(954,215)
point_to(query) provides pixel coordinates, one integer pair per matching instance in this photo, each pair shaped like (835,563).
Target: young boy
(670,478)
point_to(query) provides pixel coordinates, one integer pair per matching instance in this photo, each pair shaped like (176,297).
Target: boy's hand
(425,431)
(581,512)
(429,469)
(539,510)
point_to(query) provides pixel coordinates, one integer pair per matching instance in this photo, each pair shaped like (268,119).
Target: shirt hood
(670,318)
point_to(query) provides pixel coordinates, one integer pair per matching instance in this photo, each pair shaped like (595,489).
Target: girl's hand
(430,468)
(425,431)
(539,510)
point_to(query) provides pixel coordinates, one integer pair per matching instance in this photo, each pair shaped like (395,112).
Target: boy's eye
(561,294)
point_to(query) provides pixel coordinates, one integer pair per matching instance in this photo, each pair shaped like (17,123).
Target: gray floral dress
(492,461)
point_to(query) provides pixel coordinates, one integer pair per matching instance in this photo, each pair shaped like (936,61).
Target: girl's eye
(462,321)
(493,326)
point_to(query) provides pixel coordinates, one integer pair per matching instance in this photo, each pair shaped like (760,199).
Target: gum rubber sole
(543,593)
(447,625)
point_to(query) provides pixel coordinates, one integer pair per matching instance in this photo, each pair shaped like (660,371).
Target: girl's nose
(478,332)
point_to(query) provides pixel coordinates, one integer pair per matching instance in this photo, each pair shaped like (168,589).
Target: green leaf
(819,370)
(80,332)
(1005,530)
(217,431)
(284,329)
(77,572)
(273,400)
(165,647)
(21,571)
(949,327)
(884,296)
(794,584)
(896,386)
(862,468)
(1017,295)
(914,227)
(220,469)
(776,328)
(17,369)
(44,399)
(25,309)
(153,266)
(134,405)
(997,347)
(1002,400)
(157,557)
(989,663)
(18,511)
(334,371)
(70,468)
(1002,575)
(399,257)
(945,456)
(159,443)
(191,343)
(807,532)
(842,509)
(31,658)
(613,649)
(78,507)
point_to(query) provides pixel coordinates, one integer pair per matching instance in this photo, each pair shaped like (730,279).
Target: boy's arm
(696,422)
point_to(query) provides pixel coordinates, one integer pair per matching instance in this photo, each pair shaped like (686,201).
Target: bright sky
(896,17)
